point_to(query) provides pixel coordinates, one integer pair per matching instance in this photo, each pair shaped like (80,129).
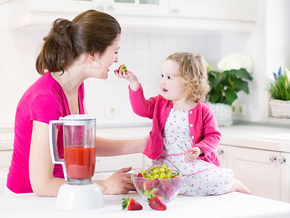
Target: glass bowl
(166,188)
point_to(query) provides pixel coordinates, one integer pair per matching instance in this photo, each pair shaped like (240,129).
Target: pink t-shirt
(43,101)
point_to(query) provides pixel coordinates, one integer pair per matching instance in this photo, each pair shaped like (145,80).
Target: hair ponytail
(57,51)
(90,32)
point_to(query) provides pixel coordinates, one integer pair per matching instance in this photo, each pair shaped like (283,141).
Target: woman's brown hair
(192,70)
(90,32)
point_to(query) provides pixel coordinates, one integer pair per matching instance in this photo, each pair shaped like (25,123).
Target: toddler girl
(184,130)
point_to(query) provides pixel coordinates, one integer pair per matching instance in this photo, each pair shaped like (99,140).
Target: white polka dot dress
(201,177)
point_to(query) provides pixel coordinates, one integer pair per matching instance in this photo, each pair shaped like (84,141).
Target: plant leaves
(214,96)
(230,96)
(217,78)
(242,73)
(239,84)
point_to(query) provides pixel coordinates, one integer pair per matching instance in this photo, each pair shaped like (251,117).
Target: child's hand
(192,154)
(125,75)
(133,80)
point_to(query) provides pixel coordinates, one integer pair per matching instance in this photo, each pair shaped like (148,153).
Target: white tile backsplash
(143,53)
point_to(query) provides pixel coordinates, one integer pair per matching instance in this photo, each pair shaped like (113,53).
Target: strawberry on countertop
(157,203)
(131,204)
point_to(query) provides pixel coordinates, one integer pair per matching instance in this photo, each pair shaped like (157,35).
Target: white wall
(269,47)
(143,53)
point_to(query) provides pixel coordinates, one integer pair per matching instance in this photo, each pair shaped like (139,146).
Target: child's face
(170,83)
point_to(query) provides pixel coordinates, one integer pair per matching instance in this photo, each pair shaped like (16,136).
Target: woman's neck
(70,79)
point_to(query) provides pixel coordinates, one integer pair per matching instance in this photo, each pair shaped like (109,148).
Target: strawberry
(169,194)
(177,181)
(168,185)
(156,183)
(157,203)
(158,192)
(123,68)
(131,204)
(140,175)
(147,185)
(139,182)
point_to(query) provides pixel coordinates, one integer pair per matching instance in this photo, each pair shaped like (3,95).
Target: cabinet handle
(220,151)
(281,160)
(100,7)
(110,7)
(272,158)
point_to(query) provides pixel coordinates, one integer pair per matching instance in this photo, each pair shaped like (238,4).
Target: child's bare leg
(239,187)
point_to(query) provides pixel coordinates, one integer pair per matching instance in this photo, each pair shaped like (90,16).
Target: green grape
(143,172)
(149,175)
(168,175)
(162,175)
(156,176)
(162,170)
(169,169)
(156,171)
(163,166)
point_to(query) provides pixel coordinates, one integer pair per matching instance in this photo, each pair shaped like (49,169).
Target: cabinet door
(135,7)
(211,9)
(254,169)
(222,154)
(5,161)
(106,164)
(285,177)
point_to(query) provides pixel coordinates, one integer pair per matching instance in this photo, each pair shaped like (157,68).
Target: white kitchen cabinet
(222,154)
(284,161)
(215,9)
(261,171)
(140,15)
(113,163)
(134,7)
(5,161)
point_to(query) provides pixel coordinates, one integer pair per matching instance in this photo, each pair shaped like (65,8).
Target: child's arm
(211,135)
(140,105)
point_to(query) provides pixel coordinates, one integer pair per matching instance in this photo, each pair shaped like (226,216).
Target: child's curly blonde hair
(194,75)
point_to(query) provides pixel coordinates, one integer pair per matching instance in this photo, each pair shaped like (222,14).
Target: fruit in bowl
(159,181)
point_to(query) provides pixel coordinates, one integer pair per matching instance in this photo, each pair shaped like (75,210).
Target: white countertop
(260,137)
(232,205)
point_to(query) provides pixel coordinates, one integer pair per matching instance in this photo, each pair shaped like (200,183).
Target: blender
(79,144)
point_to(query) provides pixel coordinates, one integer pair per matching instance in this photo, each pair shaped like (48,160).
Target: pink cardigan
(203,126)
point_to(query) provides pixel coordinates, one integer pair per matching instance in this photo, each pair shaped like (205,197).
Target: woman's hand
(118,183)
(192,154)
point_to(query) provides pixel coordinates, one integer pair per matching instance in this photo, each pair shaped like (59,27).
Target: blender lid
(78,119)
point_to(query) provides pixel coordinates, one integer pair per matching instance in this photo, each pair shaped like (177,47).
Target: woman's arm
(40,164)
(112,147)
(41,167)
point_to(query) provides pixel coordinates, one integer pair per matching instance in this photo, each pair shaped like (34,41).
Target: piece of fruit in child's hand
(157,203)
(123,68)
(131,204)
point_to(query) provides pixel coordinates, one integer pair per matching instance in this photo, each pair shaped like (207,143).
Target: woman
(72,52)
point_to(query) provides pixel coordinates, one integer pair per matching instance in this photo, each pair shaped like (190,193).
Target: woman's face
(104,62)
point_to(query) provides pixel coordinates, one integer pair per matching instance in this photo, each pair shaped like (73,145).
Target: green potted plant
(279,90)
(233,78)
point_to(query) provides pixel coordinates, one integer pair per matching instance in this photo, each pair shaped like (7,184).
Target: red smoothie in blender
(80,161)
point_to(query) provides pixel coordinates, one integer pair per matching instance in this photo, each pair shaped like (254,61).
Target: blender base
(80,197)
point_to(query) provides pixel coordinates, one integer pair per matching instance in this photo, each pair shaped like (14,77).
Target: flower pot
(280,108)
(223,113)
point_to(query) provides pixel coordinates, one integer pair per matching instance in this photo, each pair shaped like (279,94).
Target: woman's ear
(92,59)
